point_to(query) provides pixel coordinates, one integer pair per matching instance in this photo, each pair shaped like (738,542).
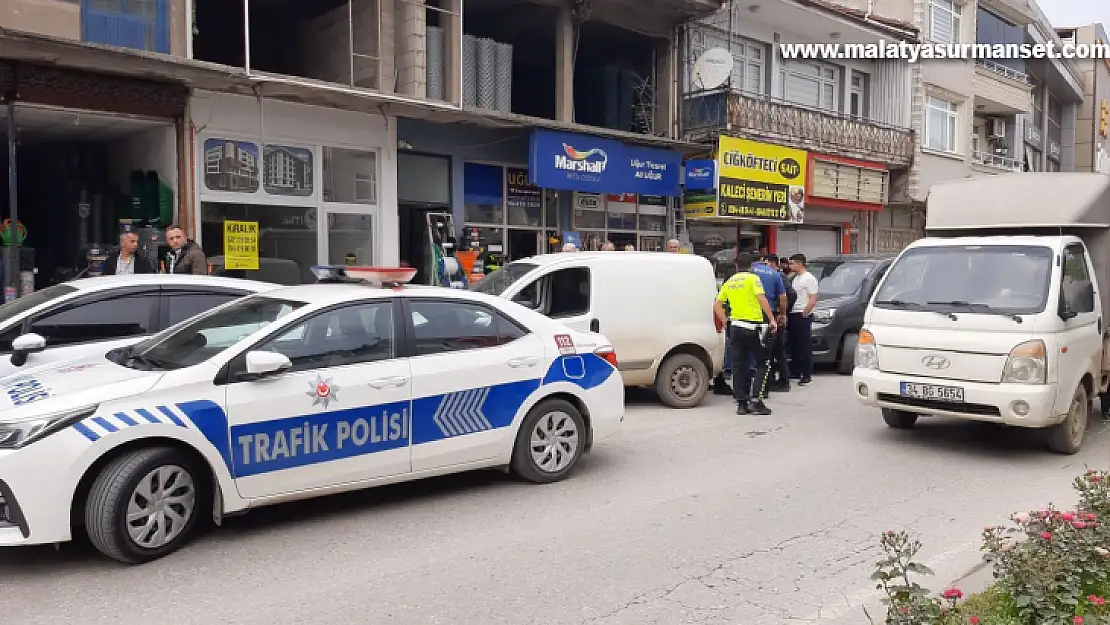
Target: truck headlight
(867,352)
(823,315)
(18,434)
(1026,364)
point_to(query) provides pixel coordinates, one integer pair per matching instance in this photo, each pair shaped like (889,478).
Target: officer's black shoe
(720,387)
(780,387)
(742,408)
(759,408)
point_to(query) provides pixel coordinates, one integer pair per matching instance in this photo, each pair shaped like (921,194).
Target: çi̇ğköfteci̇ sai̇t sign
(760,181)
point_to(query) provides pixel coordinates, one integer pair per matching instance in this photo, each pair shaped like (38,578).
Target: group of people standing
(767,308)
(184,257)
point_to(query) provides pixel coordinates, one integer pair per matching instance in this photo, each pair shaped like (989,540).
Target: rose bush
(1051,566)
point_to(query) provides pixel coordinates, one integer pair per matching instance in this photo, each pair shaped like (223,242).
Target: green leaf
(1022,600)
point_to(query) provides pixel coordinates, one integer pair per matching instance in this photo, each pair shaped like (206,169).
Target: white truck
(998,315)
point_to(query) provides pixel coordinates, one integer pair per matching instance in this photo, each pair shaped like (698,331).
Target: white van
(655,308)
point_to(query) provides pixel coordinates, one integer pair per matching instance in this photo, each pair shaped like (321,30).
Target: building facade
(1092,123)
(402,109)
(846,122)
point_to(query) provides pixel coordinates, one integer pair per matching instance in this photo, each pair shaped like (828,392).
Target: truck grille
(911,403)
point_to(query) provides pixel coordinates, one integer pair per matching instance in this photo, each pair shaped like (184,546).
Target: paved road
(689,517)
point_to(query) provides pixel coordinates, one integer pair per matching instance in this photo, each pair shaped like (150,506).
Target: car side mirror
(263,364)
(25,345)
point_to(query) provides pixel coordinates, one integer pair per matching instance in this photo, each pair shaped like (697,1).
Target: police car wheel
(682,381)
(550,442)
(144,504)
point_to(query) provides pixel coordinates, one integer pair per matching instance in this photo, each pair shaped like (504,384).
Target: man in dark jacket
(184,256)
(126,261)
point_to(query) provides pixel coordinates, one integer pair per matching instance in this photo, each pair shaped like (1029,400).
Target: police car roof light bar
(371,276)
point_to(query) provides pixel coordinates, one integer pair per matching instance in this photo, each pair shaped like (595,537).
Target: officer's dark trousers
(779,363)
(744,344)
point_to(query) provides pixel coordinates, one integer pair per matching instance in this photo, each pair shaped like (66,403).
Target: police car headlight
(823,315)
(18,434)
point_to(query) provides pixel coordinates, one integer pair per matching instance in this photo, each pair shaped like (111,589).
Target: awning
(201,75)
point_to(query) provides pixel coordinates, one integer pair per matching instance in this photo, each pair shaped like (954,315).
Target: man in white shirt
(800,323)
(127,261)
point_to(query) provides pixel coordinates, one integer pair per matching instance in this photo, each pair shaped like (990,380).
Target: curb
(976,580)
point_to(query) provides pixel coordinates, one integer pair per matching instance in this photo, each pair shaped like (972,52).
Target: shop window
(524,201)
(350,239)
(287,246)
(484,193)
(551,208)
(350,176)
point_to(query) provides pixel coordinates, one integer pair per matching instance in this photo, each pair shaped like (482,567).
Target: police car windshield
(208,334)
(19,306)
(496,282)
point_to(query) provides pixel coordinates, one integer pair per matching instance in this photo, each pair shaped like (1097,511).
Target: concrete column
(667,104)
(564,66)
(1043,165)
(411,48)
(388,48)
(387,250)
(453,27)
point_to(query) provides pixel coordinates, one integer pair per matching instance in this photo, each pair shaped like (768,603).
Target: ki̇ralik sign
(760,181)
(576,162)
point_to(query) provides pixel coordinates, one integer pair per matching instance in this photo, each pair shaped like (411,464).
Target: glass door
(345,236)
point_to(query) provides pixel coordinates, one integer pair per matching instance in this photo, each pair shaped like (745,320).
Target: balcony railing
(1003,70)
(707,114)
(994,161)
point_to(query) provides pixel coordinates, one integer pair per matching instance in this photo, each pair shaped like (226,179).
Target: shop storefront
(317,185)
(844,195)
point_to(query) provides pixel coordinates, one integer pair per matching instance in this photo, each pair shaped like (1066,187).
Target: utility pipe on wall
(247,36)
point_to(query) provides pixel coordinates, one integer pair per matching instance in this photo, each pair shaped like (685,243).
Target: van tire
(682,381)
(1067,437)
(847,361)
(899,419)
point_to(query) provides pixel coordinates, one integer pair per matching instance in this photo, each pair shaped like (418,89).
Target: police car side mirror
(25,345)
(262,364)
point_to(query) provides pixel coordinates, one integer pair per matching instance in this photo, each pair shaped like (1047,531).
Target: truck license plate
(932,391)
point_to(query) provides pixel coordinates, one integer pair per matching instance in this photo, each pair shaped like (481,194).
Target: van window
(497,281)
(569,293)
(1077,289)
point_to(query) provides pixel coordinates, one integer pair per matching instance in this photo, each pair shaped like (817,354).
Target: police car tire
(106,505)
(522,463)
(666,372)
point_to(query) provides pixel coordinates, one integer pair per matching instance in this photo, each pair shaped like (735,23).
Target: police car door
(340,415)
(472,368)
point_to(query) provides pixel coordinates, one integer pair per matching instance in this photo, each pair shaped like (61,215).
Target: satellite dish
(712,69)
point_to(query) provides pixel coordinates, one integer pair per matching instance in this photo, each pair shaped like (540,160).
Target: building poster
(760,181)
(241,245)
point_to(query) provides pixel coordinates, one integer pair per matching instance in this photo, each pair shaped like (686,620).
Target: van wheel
(550,442)
(144,504)
(1067,437)
(848,354)
(682,381)
(899,419)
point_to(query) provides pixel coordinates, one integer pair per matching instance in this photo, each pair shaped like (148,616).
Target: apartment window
(811,83)
(944,21)
(1052,165)
(1055,117)
(858,104)
(749,69)
(940,124)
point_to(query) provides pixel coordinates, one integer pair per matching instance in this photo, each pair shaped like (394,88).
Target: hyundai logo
(936,362)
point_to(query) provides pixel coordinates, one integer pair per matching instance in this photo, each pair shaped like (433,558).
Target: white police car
(290,394)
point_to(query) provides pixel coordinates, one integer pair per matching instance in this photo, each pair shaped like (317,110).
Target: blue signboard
(574,162)
(701,175)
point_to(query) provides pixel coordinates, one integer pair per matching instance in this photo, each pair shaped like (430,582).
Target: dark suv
(845,285)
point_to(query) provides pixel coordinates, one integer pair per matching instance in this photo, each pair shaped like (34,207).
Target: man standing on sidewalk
(185,256)
(775,287)
(801,319)
(127,261)
(748,334)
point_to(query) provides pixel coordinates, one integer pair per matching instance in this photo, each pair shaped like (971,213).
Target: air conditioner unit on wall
(996,128)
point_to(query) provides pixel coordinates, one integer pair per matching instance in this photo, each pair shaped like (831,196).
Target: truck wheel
(899,419)
(144,504)
(550,442)
(682,381)
(847,361)
(1067,437)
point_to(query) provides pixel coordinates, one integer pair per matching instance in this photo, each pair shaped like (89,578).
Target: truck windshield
(496,282)
(975,278)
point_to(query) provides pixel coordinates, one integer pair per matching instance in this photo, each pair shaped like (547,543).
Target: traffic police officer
(751,328)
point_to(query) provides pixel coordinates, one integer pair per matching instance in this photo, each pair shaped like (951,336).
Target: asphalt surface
(694,516)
